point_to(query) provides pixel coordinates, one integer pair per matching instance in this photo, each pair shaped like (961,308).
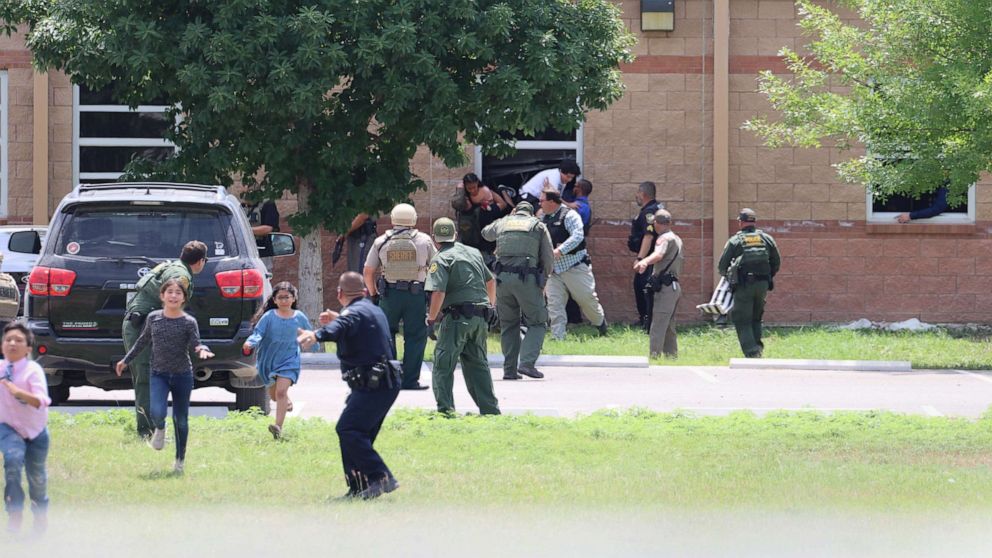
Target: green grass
(641,459)
(712,346)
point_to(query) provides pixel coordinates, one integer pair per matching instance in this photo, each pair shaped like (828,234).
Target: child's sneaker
(275,430)
(180,467)
(158,439)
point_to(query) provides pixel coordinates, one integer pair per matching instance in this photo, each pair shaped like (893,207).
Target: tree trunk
(311,275)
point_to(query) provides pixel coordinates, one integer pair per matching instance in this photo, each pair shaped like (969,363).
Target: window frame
(523,145)
(79,142)
(4,141)
(958,218)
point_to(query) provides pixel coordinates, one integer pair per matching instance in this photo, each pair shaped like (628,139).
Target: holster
(386,373)
(137,319)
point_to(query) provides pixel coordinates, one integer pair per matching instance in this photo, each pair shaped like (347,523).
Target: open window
(541,151)
(886,211)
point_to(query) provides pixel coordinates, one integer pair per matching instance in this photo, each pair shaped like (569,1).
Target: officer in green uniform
(145,300)
(756,258)
(462,292)
(395,270)
(524,261)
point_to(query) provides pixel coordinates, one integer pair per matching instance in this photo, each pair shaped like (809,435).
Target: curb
(329,360)
(836,365)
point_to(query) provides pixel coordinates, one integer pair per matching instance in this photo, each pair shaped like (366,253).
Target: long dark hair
(270,303)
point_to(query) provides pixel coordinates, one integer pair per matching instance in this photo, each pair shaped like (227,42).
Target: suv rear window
(154,232)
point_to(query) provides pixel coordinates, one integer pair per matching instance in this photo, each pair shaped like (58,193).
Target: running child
(23,427)
(278,359)
(173,334)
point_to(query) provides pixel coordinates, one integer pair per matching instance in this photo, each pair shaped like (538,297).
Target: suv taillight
(50,281)
(240,283)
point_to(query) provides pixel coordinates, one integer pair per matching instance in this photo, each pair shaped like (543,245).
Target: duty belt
(521,271)
(414,287)
(467,310)
(753,277)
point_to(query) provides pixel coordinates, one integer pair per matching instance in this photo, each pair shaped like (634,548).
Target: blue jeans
(20,454)
(180,386)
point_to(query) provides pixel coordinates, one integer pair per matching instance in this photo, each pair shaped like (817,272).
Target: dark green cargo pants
(749,307)
(520,302)
(411,309)
(463,340)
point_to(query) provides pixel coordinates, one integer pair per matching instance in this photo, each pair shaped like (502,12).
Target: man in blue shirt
(582,190)
(364,346)
(938,206)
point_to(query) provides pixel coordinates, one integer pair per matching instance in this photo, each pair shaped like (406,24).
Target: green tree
(911,82)
(329,99)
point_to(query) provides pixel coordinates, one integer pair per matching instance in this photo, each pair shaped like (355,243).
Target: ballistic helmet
(404,215)
(525,207)
(748,215)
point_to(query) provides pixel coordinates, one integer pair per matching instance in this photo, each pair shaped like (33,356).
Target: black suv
(102,239)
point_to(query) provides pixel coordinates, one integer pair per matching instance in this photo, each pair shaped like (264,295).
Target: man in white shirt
(555,179)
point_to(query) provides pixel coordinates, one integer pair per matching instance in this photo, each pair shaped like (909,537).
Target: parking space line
(297,409)
(932,411)
(710,378)
(981,377)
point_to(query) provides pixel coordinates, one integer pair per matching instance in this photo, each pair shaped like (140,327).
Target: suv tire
(58,394)
(246,398)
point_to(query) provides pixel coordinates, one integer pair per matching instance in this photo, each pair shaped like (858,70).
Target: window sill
(920,228)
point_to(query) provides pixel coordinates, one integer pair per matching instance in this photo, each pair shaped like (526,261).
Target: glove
(492,318)
(430,329)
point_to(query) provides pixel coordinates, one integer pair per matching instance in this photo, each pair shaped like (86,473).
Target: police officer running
(395,270)
(750,261)
(663,285)
(191,261)
(524,262)
(363,346)
(572,268)
(462,292)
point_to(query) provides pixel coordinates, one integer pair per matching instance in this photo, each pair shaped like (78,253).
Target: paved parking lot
(700,390)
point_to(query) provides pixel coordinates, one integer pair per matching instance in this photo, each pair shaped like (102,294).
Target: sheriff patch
(433,268)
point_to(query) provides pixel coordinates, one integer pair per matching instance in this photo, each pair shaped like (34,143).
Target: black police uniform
(638,228)
(363,340)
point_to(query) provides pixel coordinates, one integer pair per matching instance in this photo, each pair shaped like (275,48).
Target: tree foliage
(335,95)
(911,82)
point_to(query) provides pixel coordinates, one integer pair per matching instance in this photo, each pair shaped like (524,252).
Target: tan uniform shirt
(672,245)
(425,251)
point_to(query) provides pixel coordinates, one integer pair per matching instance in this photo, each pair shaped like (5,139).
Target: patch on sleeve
(433,268)
(184,281)
(345,312)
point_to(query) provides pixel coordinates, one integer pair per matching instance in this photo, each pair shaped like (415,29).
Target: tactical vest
(755,258)
(517,239)
(468,228)
(400,261)
(559,234)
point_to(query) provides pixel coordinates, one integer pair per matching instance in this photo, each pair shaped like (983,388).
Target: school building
(678,125)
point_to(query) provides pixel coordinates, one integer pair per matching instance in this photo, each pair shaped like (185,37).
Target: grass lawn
(637,459)
(708,345)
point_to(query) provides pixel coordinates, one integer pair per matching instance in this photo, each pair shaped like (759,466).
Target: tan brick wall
(836,267)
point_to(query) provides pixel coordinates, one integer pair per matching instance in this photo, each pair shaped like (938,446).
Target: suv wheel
(58,394)
(246,398)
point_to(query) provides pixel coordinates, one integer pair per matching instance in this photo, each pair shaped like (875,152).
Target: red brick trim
(673,64)
(15,59)
(921,229)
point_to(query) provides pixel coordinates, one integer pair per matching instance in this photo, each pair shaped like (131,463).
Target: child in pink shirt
(23,427)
